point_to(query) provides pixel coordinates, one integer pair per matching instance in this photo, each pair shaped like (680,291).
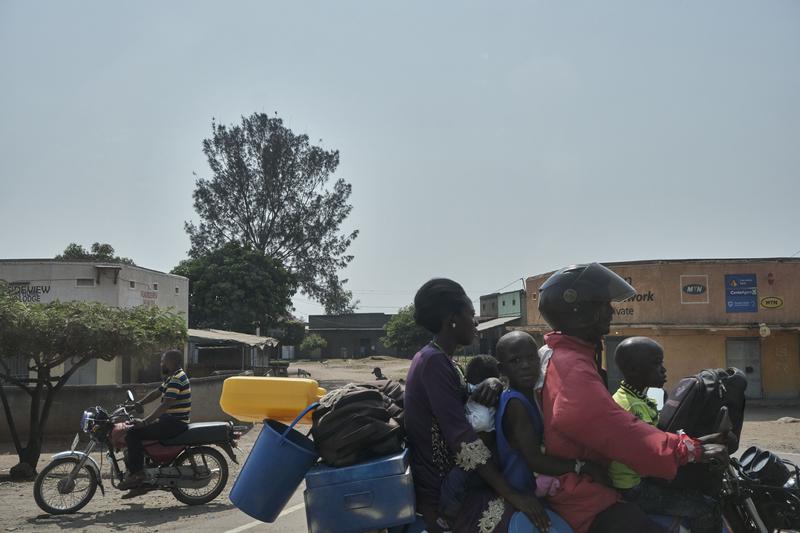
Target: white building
(114,284)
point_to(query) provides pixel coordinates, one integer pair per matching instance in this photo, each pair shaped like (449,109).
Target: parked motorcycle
(189,465)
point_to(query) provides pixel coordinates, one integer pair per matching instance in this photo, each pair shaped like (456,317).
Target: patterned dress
(441,437)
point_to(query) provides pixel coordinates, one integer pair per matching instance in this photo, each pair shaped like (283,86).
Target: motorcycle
(189,464)
(761,493)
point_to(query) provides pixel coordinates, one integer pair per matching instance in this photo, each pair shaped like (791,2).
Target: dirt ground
(160,511)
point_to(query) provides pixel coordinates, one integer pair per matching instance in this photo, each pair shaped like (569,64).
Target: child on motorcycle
(519,429)
(481,418)
(641,361)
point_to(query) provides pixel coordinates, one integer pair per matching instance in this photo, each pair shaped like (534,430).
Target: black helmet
(564,296)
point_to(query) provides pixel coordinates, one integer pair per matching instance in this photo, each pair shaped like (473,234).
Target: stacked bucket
(281,455)
(374,495)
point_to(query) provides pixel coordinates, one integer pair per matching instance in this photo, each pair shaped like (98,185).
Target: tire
(196,496)
(86,483)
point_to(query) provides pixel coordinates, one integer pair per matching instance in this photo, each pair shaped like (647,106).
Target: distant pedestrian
(377,373)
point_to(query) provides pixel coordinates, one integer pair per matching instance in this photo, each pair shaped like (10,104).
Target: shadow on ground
(129,514)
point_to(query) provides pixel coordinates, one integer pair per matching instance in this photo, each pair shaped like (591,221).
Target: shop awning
(235,337)
(495,322)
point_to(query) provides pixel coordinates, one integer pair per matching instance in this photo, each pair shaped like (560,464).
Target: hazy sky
(484,141)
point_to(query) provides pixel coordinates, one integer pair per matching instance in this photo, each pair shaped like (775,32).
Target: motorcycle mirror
(130,395)
(723,424)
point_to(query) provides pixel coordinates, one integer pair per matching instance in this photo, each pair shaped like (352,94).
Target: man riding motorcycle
(168,420)
(580,417)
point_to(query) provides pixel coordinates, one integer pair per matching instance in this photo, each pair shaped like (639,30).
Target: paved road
(292,520)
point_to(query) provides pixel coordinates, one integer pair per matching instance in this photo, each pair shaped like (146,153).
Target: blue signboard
(741,293)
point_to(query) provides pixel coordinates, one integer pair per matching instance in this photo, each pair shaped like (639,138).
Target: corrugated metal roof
(232,336)
(483,326)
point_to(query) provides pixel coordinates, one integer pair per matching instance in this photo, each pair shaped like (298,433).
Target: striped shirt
(177,387)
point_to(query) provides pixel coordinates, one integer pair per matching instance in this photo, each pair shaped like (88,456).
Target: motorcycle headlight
(85,419)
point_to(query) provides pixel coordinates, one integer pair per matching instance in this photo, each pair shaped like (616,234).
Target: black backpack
(358,422)
(695,403)
(694,406)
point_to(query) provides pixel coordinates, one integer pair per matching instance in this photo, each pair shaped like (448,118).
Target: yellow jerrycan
(252,398)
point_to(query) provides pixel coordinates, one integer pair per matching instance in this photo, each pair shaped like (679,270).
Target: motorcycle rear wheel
(219,475)
(50,492)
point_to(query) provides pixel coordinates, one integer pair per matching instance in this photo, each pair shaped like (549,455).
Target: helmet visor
(599,284)
(589,283)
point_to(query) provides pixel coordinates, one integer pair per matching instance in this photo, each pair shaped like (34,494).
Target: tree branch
(12,426)
(6,375)
(68,374)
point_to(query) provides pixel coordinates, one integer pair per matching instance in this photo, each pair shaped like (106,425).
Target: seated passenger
(519,428)
(437,428)
(580,417)
(641,361)
(481,418)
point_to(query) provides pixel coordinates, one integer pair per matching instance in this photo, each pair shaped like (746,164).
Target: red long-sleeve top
(582,421)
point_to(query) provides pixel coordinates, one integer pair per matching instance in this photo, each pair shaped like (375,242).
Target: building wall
(488,306)
(44,281)
(69,404)
(350,321)
(780,364)
(139,286)
(107,372)
(511,303)
(48,281)
(347,344)
(661,298)
(344,334)
(685,353)
(693,325)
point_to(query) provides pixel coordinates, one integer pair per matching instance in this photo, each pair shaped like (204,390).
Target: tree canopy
(269,190)
(403,334)
(99,252)
(289,332)
(45,336)
(237,289)
(311,343)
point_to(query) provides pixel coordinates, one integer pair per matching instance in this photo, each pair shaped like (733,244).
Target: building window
(18,367)
(504,303)
(84,282)
(513,302)
(177,290)
(493,305)
(132,284)
(155,286)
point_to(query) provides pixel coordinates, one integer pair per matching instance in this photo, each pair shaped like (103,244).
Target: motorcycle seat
(201,433)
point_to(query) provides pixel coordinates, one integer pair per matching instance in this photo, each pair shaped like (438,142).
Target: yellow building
(709,313)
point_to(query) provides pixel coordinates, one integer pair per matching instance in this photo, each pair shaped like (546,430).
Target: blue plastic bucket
(274,469)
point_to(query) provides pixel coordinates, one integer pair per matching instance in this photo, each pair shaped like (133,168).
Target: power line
(509,284)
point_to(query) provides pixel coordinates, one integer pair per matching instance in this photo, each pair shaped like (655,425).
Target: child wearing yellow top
(641,361)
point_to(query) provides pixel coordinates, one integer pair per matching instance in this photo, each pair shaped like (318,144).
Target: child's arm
(522,437)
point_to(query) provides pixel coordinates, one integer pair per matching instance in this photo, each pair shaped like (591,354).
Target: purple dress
(440,438)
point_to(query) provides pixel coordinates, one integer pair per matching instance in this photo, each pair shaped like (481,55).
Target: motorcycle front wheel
(204,456)
(56,494)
